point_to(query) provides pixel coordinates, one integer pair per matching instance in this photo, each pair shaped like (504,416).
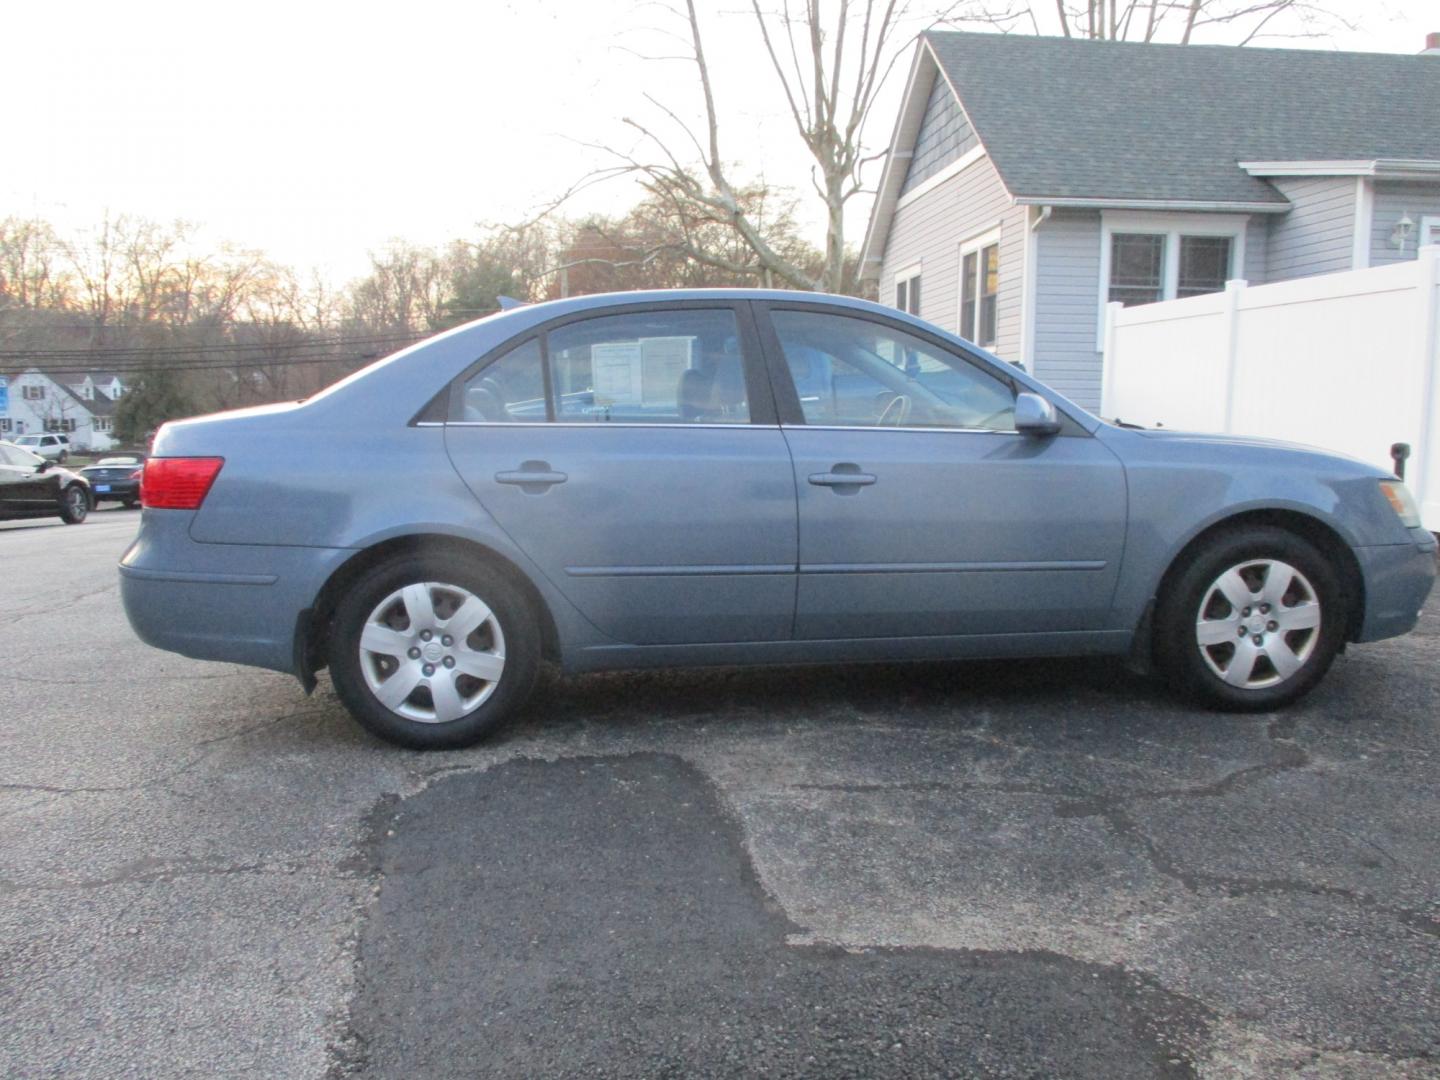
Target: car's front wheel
(1253,622)
(433,653)
(74,505)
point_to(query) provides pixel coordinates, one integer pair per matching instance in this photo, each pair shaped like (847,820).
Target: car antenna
(507,303)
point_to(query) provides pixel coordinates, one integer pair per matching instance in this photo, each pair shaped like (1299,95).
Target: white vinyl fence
(1349,362)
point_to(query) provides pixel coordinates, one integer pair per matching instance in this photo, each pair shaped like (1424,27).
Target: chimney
(1432,45)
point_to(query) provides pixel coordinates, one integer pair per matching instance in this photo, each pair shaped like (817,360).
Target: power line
(122,353)
(221,365)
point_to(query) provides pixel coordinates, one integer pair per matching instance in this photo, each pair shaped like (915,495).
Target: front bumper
(1398,578)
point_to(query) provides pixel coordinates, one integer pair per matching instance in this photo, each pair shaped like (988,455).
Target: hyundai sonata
(742,477)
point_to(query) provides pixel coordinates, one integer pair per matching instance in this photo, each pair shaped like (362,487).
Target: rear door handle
(844,475)
(533,477)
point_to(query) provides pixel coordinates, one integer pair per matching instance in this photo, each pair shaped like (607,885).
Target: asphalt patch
(599,916)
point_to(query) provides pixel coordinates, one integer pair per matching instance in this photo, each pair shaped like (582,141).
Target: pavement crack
(205,746)
(1199,882)
(50,605)
(150,869)
(40,680)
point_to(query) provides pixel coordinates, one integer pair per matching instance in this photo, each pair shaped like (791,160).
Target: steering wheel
(896,411)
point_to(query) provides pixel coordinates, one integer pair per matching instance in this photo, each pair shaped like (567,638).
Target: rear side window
(508,390)
(661,367)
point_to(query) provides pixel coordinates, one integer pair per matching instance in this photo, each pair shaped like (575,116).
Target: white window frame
(905,277)
(1429,230)
(32,392)
(1172,227)
(979,242)
(101,424)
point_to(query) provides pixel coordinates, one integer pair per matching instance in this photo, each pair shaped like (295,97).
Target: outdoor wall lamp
(1403,228)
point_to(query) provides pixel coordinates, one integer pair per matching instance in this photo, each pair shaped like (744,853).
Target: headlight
(1402,502)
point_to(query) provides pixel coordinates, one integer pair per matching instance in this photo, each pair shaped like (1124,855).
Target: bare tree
(404,291)
(830,62)
(29,278)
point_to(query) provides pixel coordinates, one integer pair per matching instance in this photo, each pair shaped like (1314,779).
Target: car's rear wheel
(74,505)
(433,653)
(1253,622)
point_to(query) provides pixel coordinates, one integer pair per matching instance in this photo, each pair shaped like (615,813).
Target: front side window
(851,372)
(979,292)
(659,367)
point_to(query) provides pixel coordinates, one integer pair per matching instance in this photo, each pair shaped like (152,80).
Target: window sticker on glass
(616,367)
(662,361)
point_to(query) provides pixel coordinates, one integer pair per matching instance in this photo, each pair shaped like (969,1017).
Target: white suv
(54,447)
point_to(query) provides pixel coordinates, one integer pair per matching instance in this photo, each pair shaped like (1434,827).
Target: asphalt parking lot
(1017,869)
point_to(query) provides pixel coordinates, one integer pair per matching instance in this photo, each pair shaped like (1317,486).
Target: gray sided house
(1030,180)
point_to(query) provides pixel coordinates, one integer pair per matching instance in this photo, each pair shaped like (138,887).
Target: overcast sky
(319,131)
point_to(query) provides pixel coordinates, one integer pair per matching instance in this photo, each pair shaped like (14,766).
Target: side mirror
(45,465)
(1035,416)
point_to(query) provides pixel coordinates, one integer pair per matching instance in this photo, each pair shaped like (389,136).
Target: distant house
(1031,180)
(82,406)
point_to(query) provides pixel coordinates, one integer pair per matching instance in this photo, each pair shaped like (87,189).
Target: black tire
(75,505)
(130,504)
(1177,637)
(64,457)
(518,622)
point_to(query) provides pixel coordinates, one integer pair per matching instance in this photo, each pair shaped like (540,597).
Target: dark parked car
(116,478)
(31,486)
(743,477)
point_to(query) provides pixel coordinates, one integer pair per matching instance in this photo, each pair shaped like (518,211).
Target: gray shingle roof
(99,405)
(1071,118)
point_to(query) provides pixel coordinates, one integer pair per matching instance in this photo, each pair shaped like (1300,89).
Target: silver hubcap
(432,652)
(1258,623)
(77,502)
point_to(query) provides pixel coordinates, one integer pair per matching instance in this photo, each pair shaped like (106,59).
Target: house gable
(945,136)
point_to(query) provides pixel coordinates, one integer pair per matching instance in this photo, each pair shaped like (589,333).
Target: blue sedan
(742,477)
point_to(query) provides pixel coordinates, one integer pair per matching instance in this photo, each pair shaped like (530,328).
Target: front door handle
(533,477)
(843,476)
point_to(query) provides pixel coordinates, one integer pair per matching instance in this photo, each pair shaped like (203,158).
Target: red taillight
(177,483)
